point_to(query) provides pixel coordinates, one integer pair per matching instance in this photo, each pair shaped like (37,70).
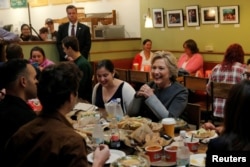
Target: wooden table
(129,151)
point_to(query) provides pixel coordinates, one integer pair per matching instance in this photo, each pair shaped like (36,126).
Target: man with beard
(18,77)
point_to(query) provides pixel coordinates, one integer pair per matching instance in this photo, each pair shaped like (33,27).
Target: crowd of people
(47,138)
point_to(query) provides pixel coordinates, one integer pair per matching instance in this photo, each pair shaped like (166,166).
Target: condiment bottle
(114,135)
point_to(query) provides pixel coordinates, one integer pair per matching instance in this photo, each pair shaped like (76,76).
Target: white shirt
(70,27)
(144,61)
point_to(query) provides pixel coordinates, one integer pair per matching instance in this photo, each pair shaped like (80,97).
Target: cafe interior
(127,30)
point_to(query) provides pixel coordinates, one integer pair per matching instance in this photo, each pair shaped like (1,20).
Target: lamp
(148,22)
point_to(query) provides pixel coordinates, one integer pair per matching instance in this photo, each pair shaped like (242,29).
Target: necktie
(73,30)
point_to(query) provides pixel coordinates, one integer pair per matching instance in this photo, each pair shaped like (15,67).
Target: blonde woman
(164,96)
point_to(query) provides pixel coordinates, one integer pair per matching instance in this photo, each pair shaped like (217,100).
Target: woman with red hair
(231,71)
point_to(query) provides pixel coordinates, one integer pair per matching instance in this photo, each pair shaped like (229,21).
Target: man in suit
(74,28)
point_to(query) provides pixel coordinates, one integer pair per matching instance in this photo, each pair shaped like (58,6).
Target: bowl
(154,152)
(192,145)
(170,153)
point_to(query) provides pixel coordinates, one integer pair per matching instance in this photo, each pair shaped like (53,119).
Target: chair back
(220,90)
(192,114)
(139,76)
(195,83)
(199,95)
(122,74)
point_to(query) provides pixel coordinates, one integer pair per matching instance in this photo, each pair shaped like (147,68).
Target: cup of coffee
(170,153)
(135,66)
(168,125)
(192,145)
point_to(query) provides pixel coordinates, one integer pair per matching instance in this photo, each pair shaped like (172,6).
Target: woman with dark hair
(191,61)
(26,34)
(38,58)
(229,71)
(144,57)
(164,96)
(234,137)
(109,87)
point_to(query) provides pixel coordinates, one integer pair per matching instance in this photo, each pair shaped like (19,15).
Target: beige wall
(219,37)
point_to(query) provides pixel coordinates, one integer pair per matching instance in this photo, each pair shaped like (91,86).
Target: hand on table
(101,155)
(209,125)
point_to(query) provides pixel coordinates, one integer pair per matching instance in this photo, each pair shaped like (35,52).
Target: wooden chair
(192,114)
(139,76)
(220,90)
(199,95)
(122,74)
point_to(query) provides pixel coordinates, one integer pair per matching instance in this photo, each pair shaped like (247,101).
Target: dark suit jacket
(82,34)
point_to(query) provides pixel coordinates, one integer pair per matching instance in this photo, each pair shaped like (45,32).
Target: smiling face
(160,73)
(147,46)
(37,57)
(25,31)
(104,76)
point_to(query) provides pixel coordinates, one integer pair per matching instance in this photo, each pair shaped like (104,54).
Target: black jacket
(82,34)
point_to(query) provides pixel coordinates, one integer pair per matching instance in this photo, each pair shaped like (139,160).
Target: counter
(100,49)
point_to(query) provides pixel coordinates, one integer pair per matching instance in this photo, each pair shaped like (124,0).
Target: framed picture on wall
(174,18)
(158,18)
(229,14)
(192,16)
(209,15)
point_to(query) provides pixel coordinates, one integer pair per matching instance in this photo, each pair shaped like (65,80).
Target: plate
(198,160)
(180,123)
(114,155)
(131,160)
(189,134)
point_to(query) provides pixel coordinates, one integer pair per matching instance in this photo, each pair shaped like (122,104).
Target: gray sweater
(167,102)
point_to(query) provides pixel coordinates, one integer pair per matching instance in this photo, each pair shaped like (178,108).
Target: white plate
(114,155)
(189,135)
(198,160)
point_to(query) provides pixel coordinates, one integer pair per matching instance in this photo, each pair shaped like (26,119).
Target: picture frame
(192,16)
(174,18)
(209,15)
(229,14)
(158,18)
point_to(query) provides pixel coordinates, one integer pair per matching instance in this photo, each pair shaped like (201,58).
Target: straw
(192,137)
